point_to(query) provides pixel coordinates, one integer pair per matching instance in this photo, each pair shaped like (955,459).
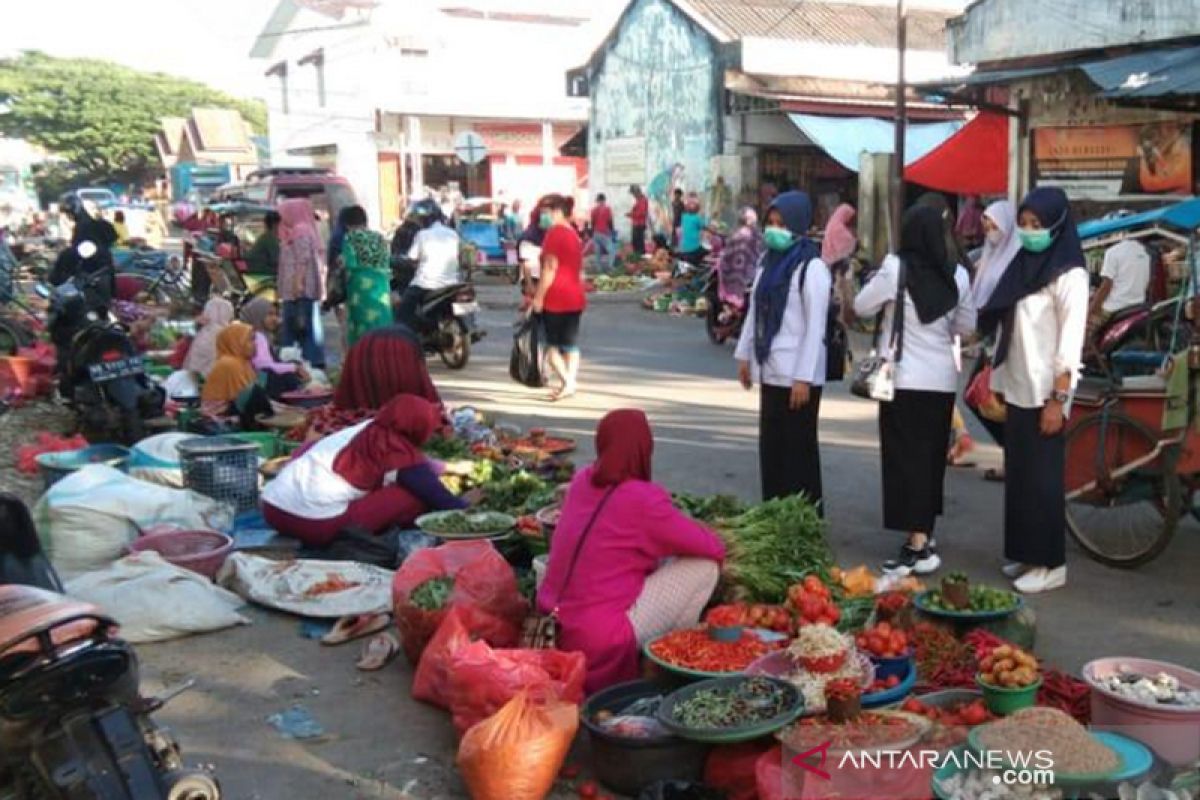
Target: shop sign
(1112,162)
(625,161)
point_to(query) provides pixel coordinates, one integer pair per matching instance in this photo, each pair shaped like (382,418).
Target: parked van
(329,193)
(96,196)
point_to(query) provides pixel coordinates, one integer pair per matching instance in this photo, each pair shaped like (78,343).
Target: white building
(379,89)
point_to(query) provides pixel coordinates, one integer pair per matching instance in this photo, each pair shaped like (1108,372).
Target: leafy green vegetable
(452,449)
(517,494)
(711,509)
(433,594)
(774,545)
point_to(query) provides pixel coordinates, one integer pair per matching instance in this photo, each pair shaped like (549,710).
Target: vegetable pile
(968,713)
(1033,730)
(814,603)
(694,649)
(983,598)
(1008,667)
(711,509)
(774,545)
(745,703)
(883,641)
(1160,689)
(871,729)
(517,493)
(433,594)
(757,615)
(461,522)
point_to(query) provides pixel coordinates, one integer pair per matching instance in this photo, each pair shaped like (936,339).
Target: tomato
(812,583)
(588,789)
(892,681)
(913,706)
(974,714)
(883,629)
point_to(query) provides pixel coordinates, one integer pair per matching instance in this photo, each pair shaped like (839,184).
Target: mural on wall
(660,192)
(659,80)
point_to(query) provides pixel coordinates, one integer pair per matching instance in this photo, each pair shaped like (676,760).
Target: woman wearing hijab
(372,476)
(301,282)
(625,565)
(202,353)
(232,373)
(739,260)
(381,365)
(837,246)
(1040,307)
(938,202)
(782,348)
(969,228)
(915,426)
(368,276)
(280,376)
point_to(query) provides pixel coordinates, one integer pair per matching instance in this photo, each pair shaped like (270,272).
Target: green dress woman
(368,283)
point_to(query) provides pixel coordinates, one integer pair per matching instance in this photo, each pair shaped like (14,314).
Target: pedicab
(224,252)
(1133,439)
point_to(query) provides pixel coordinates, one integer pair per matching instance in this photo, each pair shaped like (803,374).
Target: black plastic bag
(680,790)
(525,364)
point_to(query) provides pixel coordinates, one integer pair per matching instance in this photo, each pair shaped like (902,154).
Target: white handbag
(875,376)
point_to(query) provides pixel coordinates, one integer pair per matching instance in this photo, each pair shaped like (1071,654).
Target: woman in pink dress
(625,565)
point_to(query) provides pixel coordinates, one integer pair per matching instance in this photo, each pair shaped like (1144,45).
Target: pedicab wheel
(147,289)
(1129,516)
(192,785)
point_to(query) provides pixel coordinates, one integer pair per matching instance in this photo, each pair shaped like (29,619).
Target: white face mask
(995,236)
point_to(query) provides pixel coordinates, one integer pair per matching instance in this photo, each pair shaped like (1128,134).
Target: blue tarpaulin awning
(846,138)
(1185,216)
(1154,73)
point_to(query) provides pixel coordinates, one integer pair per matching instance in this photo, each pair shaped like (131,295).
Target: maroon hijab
(392,441)
(624,447)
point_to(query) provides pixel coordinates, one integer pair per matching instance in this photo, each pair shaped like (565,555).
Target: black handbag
(525,362)
(875,376)
(837,341)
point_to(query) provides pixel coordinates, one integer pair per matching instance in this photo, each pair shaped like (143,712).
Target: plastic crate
(224,468)
(56,466)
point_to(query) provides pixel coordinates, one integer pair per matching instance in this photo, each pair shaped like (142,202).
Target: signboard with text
(1111,162)
(625,161)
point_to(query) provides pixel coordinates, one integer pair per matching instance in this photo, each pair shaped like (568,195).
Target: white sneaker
(1041,579)
(1014,570)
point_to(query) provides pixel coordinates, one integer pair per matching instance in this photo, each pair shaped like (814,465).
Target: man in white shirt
(435,249)
(1125,277)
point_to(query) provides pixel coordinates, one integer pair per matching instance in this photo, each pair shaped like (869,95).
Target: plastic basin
(887,667)
(1173,732)
(1005,700)
(624,764)
(200,551)
(56,466)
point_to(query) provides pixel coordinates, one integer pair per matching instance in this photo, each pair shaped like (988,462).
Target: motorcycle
(445,318)
(101,374)
(73,723)
(722,320)
(1148,330)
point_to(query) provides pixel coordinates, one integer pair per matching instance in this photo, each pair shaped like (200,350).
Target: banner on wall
(1112,162)
(625,161)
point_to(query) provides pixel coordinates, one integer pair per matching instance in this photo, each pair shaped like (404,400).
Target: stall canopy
(1184,216)
(972,161)
(846,138)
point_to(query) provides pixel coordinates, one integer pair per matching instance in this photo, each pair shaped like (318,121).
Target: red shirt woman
(560,297)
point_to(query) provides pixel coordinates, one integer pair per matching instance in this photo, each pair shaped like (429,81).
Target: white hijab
(218,312)
(995,258)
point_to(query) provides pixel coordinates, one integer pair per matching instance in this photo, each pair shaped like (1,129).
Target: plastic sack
(483,679)
(525,362)
(979,395)
(155,459)
(482,578)
(86,520)
(46,443)
(769,777)
(154,601)
(732,769)
(181,385)
(431,682)
(516,753)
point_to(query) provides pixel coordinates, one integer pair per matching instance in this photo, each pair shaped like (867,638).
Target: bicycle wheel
(1129,509)
(142,288)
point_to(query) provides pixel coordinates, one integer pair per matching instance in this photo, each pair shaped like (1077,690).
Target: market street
(381,743)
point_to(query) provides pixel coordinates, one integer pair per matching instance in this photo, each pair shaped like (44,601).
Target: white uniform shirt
(308,487)
(1127,265)
(435,250)
(927,361)
(1047,340)
(798,351)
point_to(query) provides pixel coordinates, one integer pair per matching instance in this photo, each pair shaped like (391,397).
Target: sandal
(378,652)
(356,626)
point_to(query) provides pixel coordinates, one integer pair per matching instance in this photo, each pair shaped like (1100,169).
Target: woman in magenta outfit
(625,565)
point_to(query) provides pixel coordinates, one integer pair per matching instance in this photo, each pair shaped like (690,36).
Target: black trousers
(789,458)
(913,431)
(1035,509)
(637,237)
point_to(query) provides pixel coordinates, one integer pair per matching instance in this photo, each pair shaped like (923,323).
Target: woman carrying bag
(926,299)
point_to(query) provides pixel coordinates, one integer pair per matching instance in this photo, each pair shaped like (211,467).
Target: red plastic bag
(482,578)
(516,753)
(431,683)
(482,679)
(46,443)
(732,769)
(770,778)
(179,352)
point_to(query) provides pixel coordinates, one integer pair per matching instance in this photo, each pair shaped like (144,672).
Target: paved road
(380,742)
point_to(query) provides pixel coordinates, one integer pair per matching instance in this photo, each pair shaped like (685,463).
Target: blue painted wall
(659,77)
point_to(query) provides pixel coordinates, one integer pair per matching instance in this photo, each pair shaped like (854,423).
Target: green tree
(99,116)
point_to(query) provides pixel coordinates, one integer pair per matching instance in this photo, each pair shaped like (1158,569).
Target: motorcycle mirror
(86,249)
(93,316)
(42,291)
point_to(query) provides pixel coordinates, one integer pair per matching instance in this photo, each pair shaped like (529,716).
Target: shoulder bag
(875,376)
(540,631)
(837,343)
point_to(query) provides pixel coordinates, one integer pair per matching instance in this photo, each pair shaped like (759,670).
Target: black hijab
(929,272)
(1030,272)
(937,200)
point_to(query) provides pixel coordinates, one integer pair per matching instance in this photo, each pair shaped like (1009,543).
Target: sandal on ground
(957,457)
(356,626)
(378,652)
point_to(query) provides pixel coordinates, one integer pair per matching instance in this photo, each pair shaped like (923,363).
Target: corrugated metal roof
(826,22)
(1154,73)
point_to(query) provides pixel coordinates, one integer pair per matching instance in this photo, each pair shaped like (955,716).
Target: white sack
(155,459)
(301,586)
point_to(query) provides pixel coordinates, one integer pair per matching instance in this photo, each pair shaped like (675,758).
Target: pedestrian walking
(602,234)
(638,216)
(678,206)
(301,282)
(931,293)
(368,277)
(560,298)
(837,247)
(691,231)
(782,349)
(1040,308)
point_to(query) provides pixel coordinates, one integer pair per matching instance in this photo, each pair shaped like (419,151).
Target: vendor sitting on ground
(231,388)
(280,376)
(607,579)
(202,353)
(383,364)
(370,476)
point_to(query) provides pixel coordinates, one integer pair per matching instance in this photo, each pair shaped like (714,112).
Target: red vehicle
(329,193)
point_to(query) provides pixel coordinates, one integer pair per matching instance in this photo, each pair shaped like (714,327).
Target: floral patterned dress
(368,283)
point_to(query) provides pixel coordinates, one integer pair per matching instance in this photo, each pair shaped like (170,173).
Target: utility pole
(897,205)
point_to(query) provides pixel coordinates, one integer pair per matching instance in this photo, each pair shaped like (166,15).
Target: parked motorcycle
(446,318)
(722,320)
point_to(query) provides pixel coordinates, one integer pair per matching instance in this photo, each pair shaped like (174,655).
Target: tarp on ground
(974,160)
(846,138)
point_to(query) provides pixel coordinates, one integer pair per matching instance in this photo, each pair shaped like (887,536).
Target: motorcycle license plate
(106,371)
(465,309)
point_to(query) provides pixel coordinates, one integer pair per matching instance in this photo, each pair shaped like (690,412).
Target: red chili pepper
(695,649)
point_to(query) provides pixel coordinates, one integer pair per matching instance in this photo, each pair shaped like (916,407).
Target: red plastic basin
(200,551)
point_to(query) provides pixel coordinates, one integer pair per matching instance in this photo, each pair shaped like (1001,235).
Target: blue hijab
(775,282)
(1031,272)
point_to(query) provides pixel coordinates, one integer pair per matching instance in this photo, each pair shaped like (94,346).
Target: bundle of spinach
(774,545)
(710,509)
(433,594)
(517,494)
(452,449)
